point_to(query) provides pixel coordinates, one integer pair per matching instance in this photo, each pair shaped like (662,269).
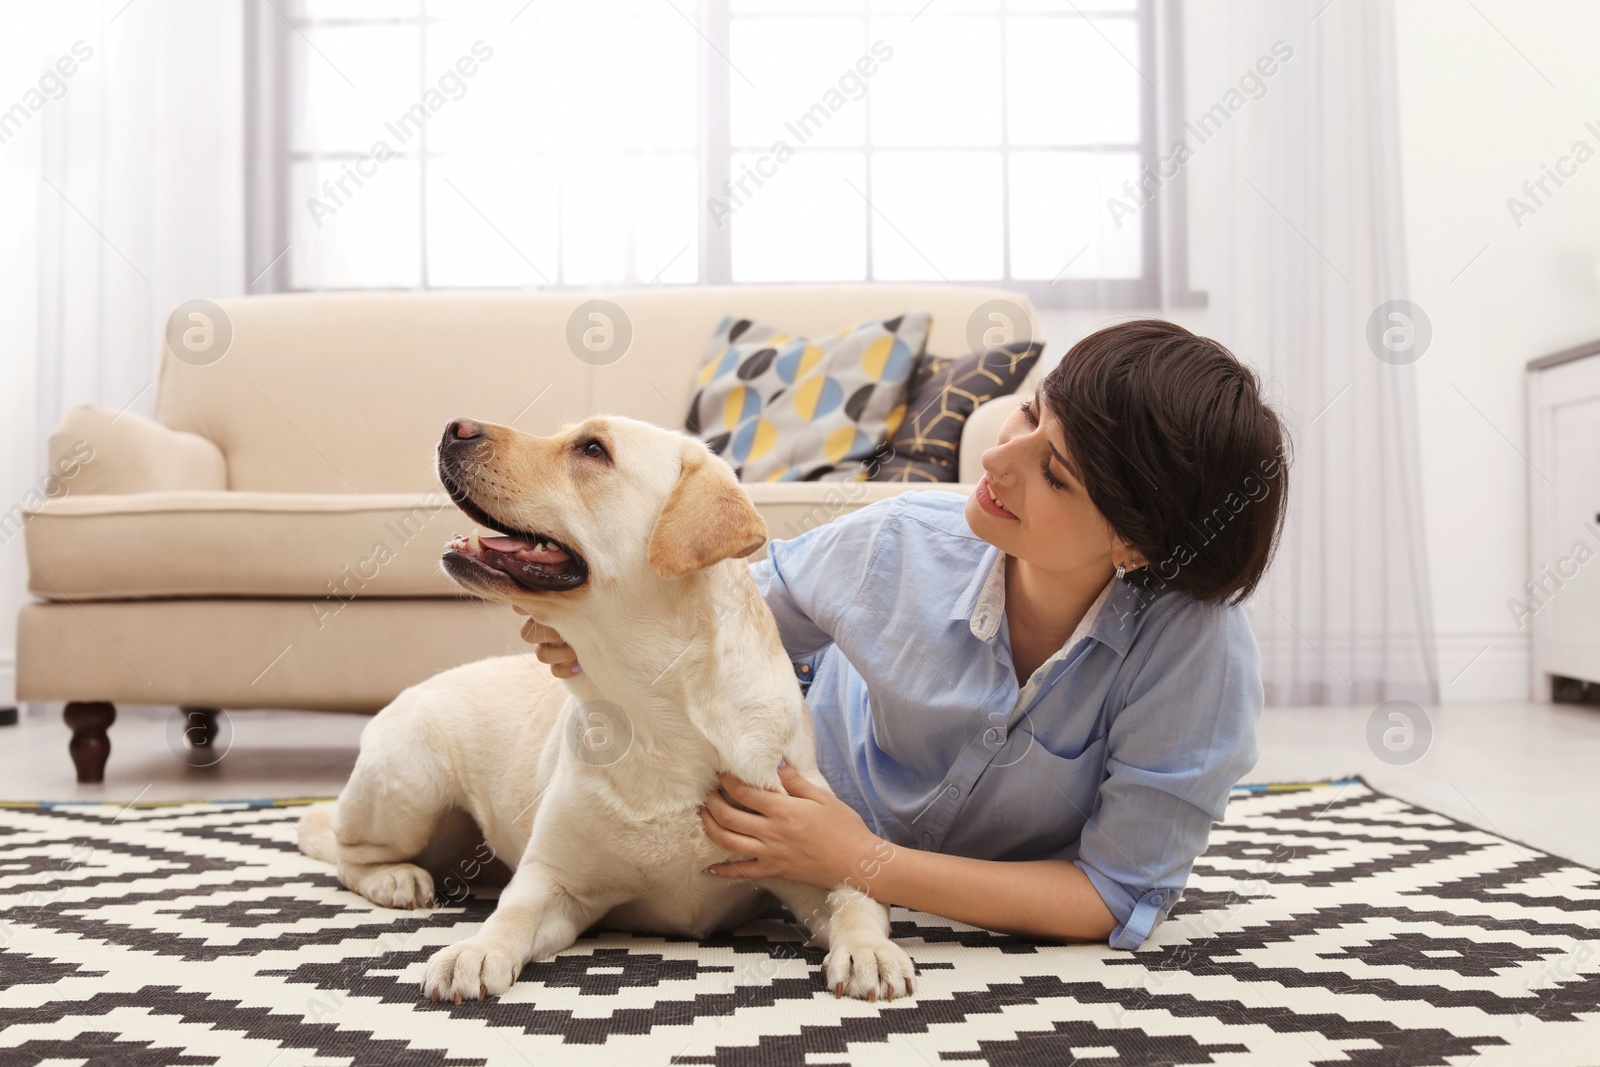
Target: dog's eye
(592,448)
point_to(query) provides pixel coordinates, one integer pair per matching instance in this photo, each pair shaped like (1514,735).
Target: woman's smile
(989,502)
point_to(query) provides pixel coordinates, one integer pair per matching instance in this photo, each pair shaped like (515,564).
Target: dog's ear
(707,518)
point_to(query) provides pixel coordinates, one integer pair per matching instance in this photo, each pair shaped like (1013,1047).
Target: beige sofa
(271,538)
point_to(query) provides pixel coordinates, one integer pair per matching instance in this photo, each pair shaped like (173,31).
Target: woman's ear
(707,518)
(1126,554)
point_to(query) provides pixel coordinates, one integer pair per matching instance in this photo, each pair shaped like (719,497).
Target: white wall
(1486,101)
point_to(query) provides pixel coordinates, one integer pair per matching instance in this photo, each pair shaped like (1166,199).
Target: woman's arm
(1048,899)
(808,835)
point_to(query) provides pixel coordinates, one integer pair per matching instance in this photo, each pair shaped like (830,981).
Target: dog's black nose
(462,430)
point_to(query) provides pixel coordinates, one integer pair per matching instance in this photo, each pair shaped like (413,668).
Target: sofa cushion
(783,407)
(943,393)
(205,543)
(326,548)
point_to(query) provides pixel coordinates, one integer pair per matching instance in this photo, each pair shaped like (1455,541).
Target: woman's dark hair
(1178,451)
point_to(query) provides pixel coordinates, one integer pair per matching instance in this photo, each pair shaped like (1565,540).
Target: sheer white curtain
(1296,234)
(124,185)
(140,194)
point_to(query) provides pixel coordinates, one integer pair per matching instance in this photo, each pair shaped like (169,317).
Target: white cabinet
(1561,602)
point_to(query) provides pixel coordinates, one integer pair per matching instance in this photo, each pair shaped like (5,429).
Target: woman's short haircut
(1179,452)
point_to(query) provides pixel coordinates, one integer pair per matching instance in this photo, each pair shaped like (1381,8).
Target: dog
(629,539)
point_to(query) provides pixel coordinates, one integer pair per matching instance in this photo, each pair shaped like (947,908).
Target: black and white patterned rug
(1327,923)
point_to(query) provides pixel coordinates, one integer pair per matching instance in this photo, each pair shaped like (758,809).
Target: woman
(1031,702)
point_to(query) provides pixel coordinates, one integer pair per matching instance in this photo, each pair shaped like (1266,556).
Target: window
(638,142)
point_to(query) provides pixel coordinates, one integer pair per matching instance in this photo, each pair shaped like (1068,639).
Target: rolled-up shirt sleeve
(1182,740)
(809,580)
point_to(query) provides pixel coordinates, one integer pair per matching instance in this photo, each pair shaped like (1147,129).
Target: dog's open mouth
(534,563)
(531,561)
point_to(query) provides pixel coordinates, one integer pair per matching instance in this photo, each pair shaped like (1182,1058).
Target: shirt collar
(1119,618)
(1115,612)
(978,603)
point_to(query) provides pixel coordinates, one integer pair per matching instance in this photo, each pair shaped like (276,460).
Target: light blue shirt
(1117,755)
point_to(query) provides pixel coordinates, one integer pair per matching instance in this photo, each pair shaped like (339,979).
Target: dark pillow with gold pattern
(942,393)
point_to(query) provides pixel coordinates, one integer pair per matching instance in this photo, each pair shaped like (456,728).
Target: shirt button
(1153,898)
(953,791)
(927,838)
(805,670)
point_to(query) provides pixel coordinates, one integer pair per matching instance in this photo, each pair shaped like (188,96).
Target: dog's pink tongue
(515,546)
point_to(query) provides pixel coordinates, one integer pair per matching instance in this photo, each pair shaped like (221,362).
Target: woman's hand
(804,834)
(552,649)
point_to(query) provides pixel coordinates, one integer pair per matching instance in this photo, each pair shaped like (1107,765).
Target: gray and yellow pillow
(783,408)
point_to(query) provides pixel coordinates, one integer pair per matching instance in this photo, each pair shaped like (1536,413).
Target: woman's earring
(1121,570)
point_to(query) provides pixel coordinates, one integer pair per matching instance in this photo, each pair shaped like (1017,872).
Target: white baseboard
(1485,667)
(1474,667)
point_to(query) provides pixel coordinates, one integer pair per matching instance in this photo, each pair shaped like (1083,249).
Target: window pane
(942,84)
(793,7)
(355,237)
(542,86)
(594,224)
(620,200)
(1072,7)
(352,81)
(937,216)
(943,7)
(491,221)
(1059,215)
(504,99)
(1067,85)
(615,83)
(354,9)
(666,219)
(804,223)
(794,94)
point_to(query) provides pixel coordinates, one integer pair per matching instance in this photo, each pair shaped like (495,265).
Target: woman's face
(1044,514)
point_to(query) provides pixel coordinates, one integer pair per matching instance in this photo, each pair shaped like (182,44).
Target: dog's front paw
(469,970)
(869,969)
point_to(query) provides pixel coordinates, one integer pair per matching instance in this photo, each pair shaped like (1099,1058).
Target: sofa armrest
(95,450)
(982,432)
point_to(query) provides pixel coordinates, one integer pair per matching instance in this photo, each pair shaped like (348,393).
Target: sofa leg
(199,726)
(90,746)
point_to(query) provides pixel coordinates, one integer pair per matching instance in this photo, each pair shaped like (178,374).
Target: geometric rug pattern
(1327,923)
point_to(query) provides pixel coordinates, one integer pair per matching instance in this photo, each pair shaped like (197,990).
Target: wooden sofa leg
(199,726)
(90,746)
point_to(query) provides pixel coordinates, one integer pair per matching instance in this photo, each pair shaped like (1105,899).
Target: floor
(1529,772)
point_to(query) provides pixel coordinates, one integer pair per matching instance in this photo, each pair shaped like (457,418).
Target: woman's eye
(1027,410)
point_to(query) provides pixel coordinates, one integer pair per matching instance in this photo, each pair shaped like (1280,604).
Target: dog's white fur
(681,660)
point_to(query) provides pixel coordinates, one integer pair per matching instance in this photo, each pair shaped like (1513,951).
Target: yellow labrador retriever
(627,538)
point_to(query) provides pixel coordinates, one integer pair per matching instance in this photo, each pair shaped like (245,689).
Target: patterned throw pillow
(783,408)
(943,393)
